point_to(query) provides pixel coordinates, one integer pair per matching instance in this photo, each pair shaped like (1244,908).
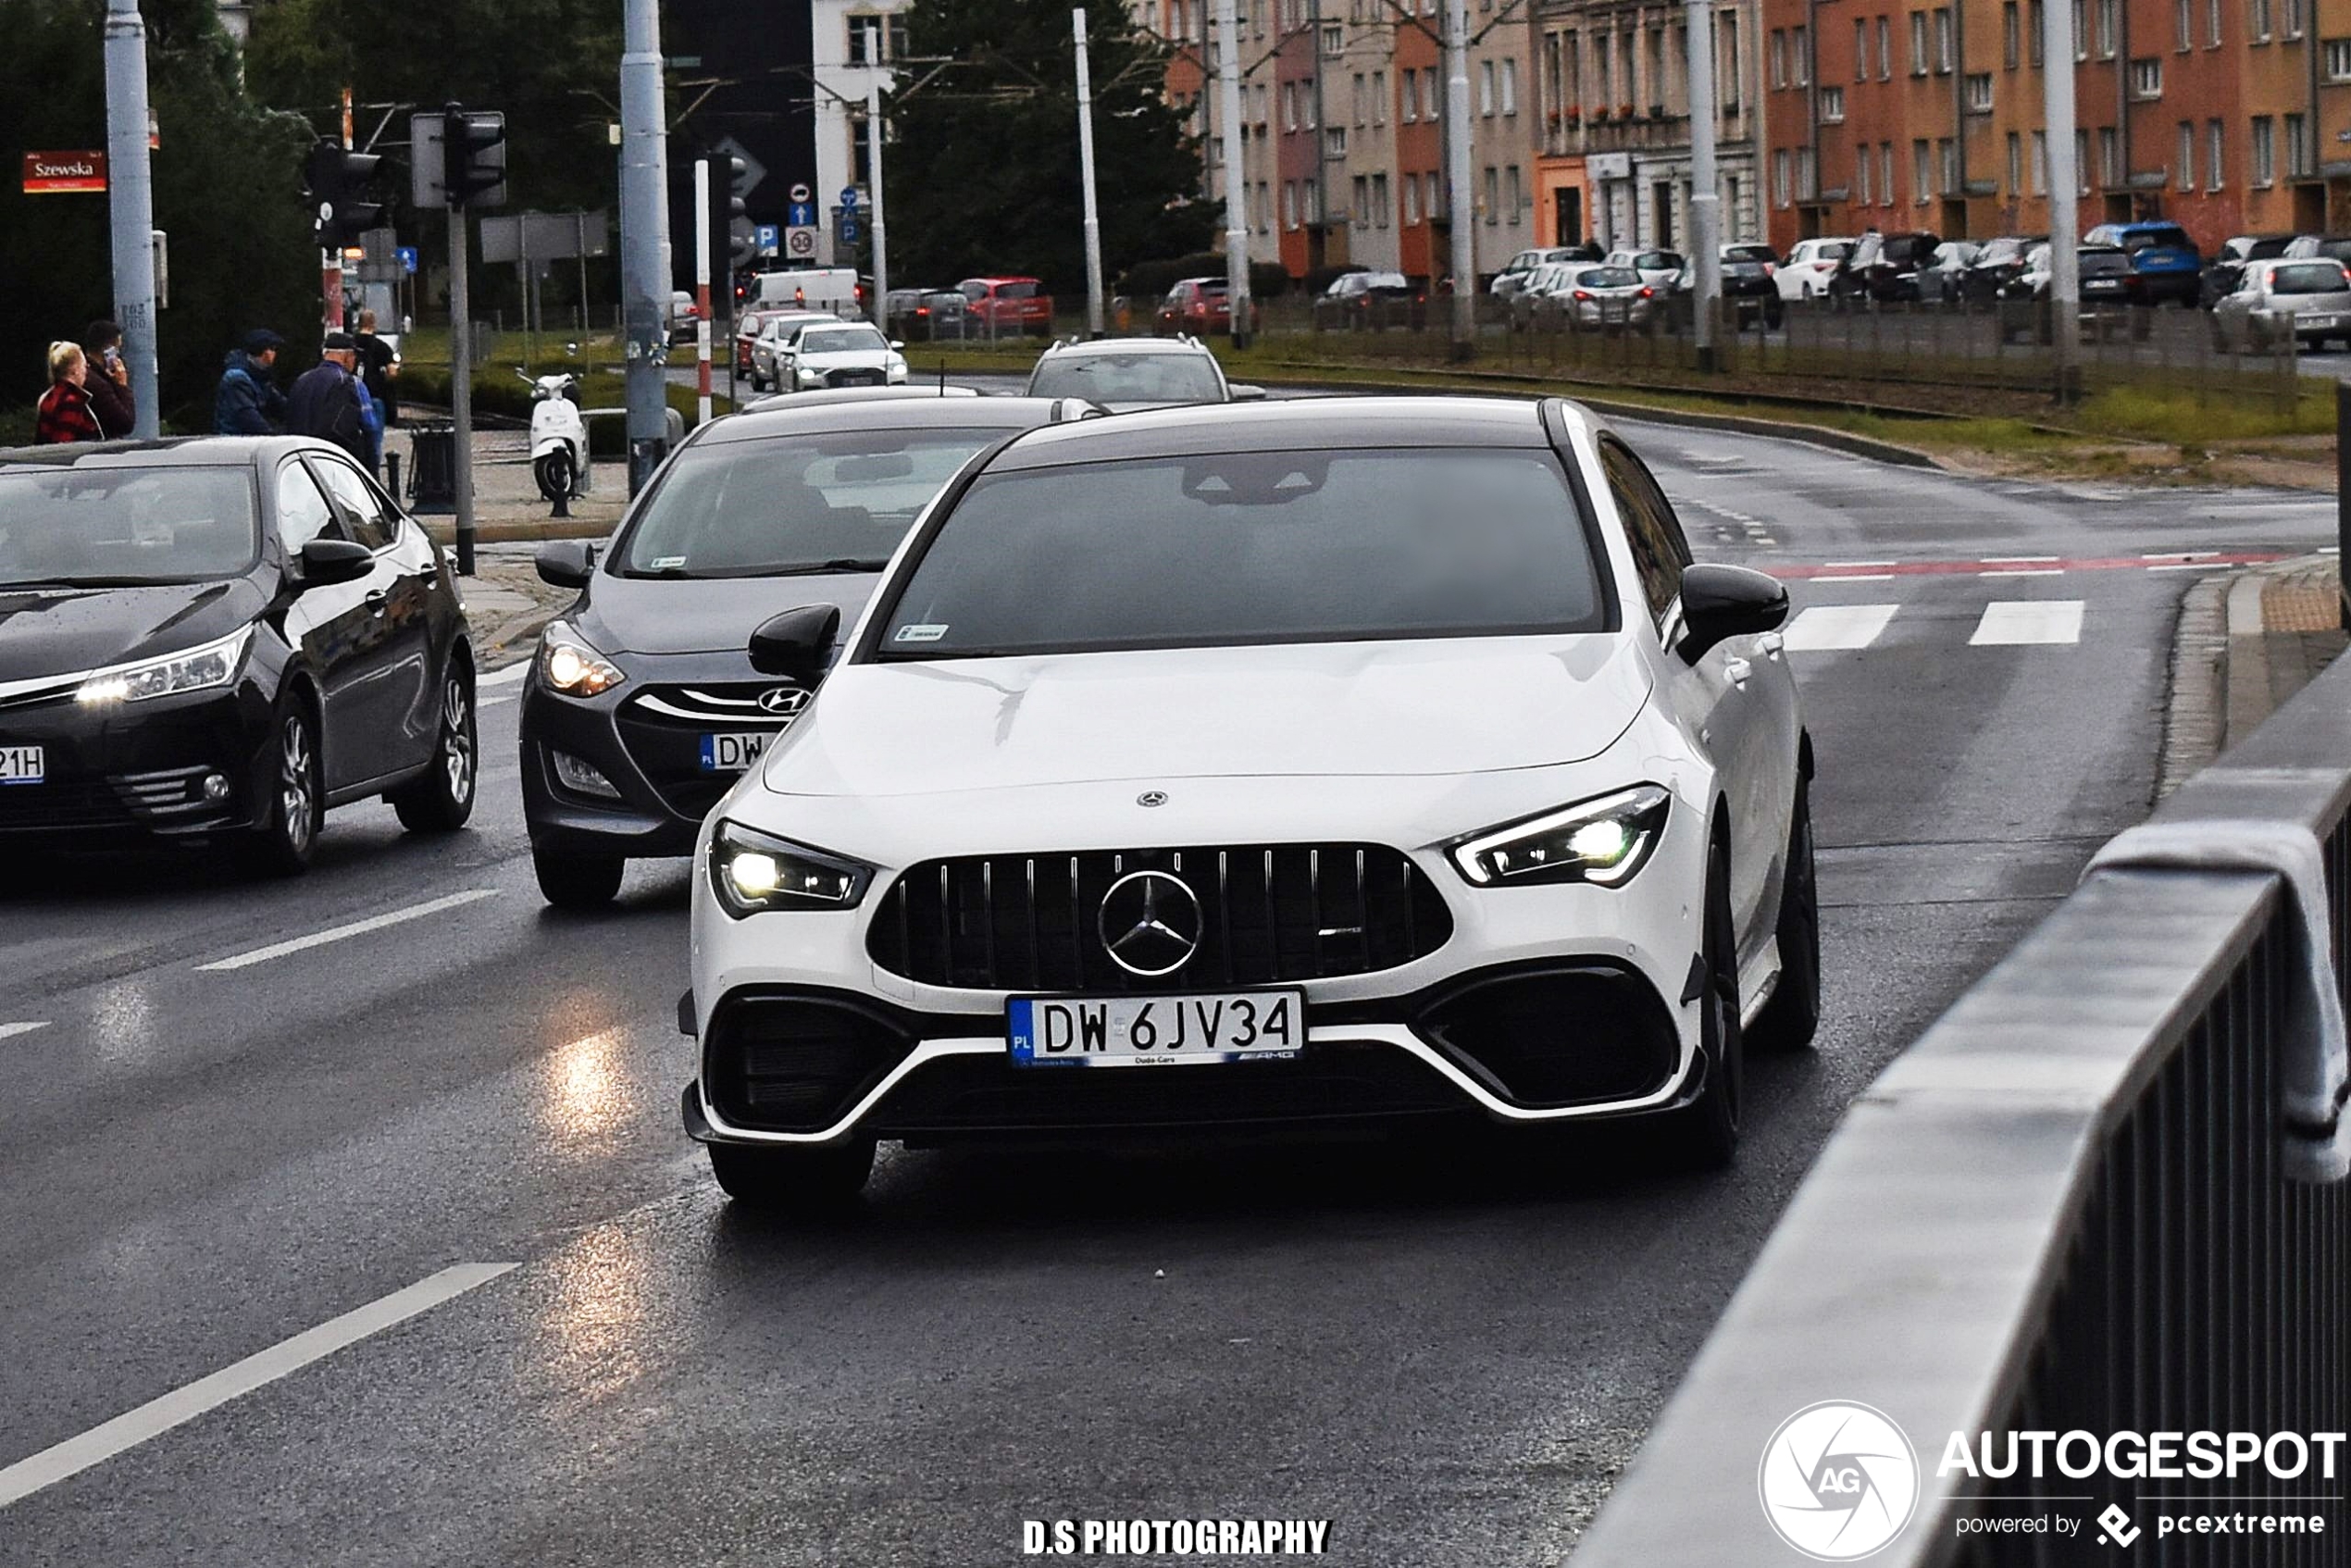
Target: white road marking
(2009,622)
(2025,571)
(9,1031)
(157,1416)
(1824,628)
(1857,563)
(2186,567)
(1856,577)
(506,676)
(340,933)
(2330,549)
(2019,560)
(2175,555)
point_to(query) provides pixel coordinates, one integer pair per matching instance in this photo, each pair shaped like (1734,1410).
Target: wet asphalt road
(1448,1358)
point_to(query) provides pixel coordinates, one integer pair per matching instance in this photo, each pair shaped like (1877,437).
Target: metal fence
(2068,1207)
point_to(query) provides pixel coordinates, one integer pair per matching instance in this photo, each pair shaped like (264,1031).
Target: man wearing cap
(328,402)
(249,403)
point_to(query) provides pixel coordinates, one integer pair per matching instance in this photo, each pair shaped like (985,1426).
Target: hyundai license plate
(22,764)
(733,750)
(1155,1031)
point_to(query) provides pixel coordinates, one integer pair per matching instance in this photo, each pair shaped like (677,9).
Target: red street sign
(48,173)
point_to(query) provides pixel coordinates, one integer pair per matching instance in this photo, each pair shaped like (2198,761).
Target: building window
(1885,174)
(1979,93)
(1943,41)
(1657,71)
(2146,77)
(2184,176)
(2016,165)
(1861,177)
(1334,40)
(1921,171)
(2107,28)
(2258,14)
(2215,147)
(2265,151)
(1308,107)
(2212,24)
(1289,203)
(1885,49)
(1379,201)
(1832,105)
(2293,18)
(1779,57)
(1918,42)
(1335,142)
(1411,200)
(2298,148)
(1363,111)
(1485,88)
(1780,187)
(1428,92)
(1727,64)
(1409,97)
(1290,105)
(1311,193)
(2110,158)
(2039,171)
(1513,194)
(2338,59)
(1861,49)
(1808,176)
(2082,163)
(1946,157)
(2010,31)
(1799,51)
(1379,97)
(1493,195)
(2081,34)
(1510,87)
(1361,216)
(2183,25)
(2036,33)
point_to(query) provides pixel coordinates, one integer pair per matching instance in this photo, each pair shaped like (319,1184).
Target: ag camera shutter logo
(1839,1481)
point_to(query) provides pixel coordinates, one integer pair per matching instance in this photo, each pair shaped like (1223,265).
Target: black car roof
(892,414)
(175,452)
(1298,424)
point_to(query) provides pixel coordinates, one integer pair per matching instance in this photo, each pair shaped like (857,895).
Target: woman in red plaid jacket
(65,413)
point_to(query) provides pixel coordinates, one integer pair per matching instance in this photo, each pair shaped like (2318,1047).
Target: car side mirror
(895,343)
(566,563)
(1720,602)
(794,644)
(326,562)
(1243,392)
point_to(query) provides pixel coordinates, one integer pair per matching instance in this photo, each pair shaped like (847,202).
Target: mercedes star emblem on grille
(1151,923)
(783,701)
(1151,798)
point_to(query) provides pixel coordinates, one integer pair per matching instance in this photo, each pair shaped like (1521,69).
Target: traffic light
(335,180)
(473,151)
(729,224)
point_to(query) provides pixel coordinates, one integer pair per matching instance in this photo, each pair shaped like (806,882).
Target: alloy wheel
(457,738)
(296,783)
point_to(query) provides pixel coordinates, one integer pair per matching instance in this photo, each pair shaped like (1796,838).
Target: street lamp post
(1228,76)
(1457,176)
(644,239)
(2065,262)
(130,208)
(874,178)
(1086,176)
(1705,217)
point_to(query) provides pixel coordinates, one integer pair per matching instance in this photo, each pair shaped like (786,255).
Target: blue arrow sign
(848,195)
(801,214)
(407,254)
(849,230)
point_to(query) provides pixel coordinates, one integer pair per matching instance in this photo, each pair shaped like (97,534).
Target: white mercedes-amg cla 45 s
(1368,762)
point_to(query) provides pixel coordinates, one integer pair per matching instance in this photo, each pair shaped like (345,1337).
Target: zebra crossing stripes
(2005,623)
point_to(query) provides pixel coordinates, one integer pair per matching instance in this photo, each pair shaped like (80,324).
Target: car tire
(1792,1017)
(442,797)
(1706,1132)
(288,834)
(785,1181)
(576,879)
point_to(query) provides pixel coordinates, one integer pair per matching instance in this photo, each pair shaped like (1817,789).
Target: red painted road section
(2026,569)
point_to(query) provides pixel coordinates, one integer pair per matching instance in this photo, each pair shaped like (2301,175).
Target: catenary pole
(1705,215)
(131,209)
(2065,261)
(1086,176)
(874,178)
(1456,177)
(1228,77)
(644,239)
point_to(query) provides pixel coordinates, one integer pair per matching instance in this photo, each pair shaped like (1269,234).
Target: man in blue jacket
(329,402)
(249,403)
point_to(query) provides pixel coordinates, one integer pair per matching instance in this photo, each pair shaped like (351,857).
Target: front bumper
(138,773)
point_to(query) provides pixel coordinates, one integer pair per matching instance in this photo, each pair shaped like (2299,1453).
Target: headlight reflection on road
(587,1094)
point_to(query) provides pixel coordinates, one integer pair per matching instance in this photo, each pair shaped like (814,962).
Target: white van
(806,288)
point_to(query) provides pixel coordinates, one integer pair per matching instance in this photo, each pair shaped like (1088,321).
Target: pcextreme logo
(1839,1481)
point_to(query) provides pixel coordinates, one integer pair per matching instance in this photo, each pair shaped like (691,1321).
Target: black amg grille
(1268,914)
(795,1064)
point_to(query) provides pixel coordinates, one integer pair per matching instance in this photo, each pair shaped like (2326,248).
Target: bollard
(391,474)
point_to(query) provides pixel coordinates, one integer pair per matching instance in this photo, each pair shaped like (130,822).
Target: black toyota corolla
(646,702)
(213,640)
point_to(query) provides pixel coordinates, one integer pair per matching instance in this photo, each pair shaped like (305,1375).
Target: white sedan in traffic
(1382,762)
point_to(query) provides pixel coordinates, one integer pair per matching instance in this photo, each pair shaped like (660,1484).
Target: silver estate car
(2314,295)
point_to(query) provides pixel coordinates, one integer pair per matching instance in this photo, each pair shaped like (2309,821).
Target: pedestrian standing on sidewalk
(65,413)
(379,364)
(109,382)
(328,401)
(249,403)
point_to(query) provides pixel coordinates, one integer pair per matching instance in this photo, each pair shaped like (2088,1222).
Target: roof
(1087,347)
(175,452)
(1297,424)
(882,414)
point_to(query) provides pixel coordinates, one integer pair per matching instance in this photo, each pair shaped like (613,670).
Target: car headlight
(1603,841)
(569,663)
(214,664)
(753,872)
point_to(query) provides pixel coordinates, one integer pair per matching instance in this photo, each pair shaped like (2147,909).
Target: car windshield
(2104,264)
(1015,290)
(1128,377)
(98,527)
(1835,250)
(1607,278)
(1657,260)
(1252,548)
(1749,253)
(842,340)
(2307,278)
(793,505)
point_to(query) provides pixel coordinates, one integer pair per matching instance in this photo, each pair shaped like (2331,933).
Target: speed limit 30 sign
(800,244)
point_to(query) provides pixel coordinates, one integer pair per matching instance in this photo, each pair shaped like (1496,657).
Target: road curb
(2230,668)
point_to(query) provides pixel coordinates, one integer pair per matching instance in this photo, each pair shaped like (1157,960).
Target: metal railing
(2068,1207)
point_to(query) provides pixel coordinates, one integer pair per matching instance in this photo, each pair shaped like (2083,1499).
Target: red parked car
(1198,306)
(1007,305)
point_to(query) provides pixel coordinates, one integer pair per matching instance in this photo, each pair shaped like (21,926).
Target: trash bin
(433,466)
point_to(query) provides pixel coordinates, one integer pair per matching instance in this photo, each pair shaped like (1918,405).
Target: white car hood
(850,359)
(1346,709)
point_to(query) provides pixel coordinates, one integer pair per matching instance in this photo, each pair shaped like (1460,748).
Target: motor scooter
(558,435)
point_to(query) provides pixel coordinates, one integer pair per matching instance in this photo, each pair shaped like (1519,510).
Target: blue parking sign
(770,239)
(849,230)
(407,254)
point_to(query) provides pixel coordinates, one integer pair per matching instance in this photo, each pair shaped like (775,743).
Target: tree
(227,191)
(982,169)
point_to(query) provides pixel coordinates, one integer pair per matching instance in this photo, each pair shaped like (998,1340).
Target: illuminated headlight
(214,664)
(1604,842)
(810,375)
(569,663)
(752,873)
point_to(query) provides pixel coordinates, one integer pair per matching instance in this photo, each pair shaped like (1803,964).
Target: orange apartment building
(2229,116)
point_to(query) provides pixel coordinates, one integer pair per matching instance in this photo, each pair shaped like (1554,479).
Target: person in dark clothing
(378,363)
(109,383)
(328,401)
(64,413)
(249,403)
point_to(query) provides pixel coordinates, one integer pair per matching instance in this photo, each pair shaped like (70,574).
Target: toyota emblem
(1151,923)
(783,701)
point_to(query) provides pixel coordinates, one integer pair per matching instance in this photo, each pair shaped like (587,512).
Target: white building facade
(856,44)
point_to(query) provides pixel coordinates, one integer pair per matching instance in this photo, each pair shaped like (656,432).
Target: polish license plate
(733,750)
(22,764)
(1155,1031)
(2329,322)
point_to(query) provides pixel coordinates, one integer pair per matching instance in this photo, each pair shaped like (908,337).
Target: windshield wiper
(839,564)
